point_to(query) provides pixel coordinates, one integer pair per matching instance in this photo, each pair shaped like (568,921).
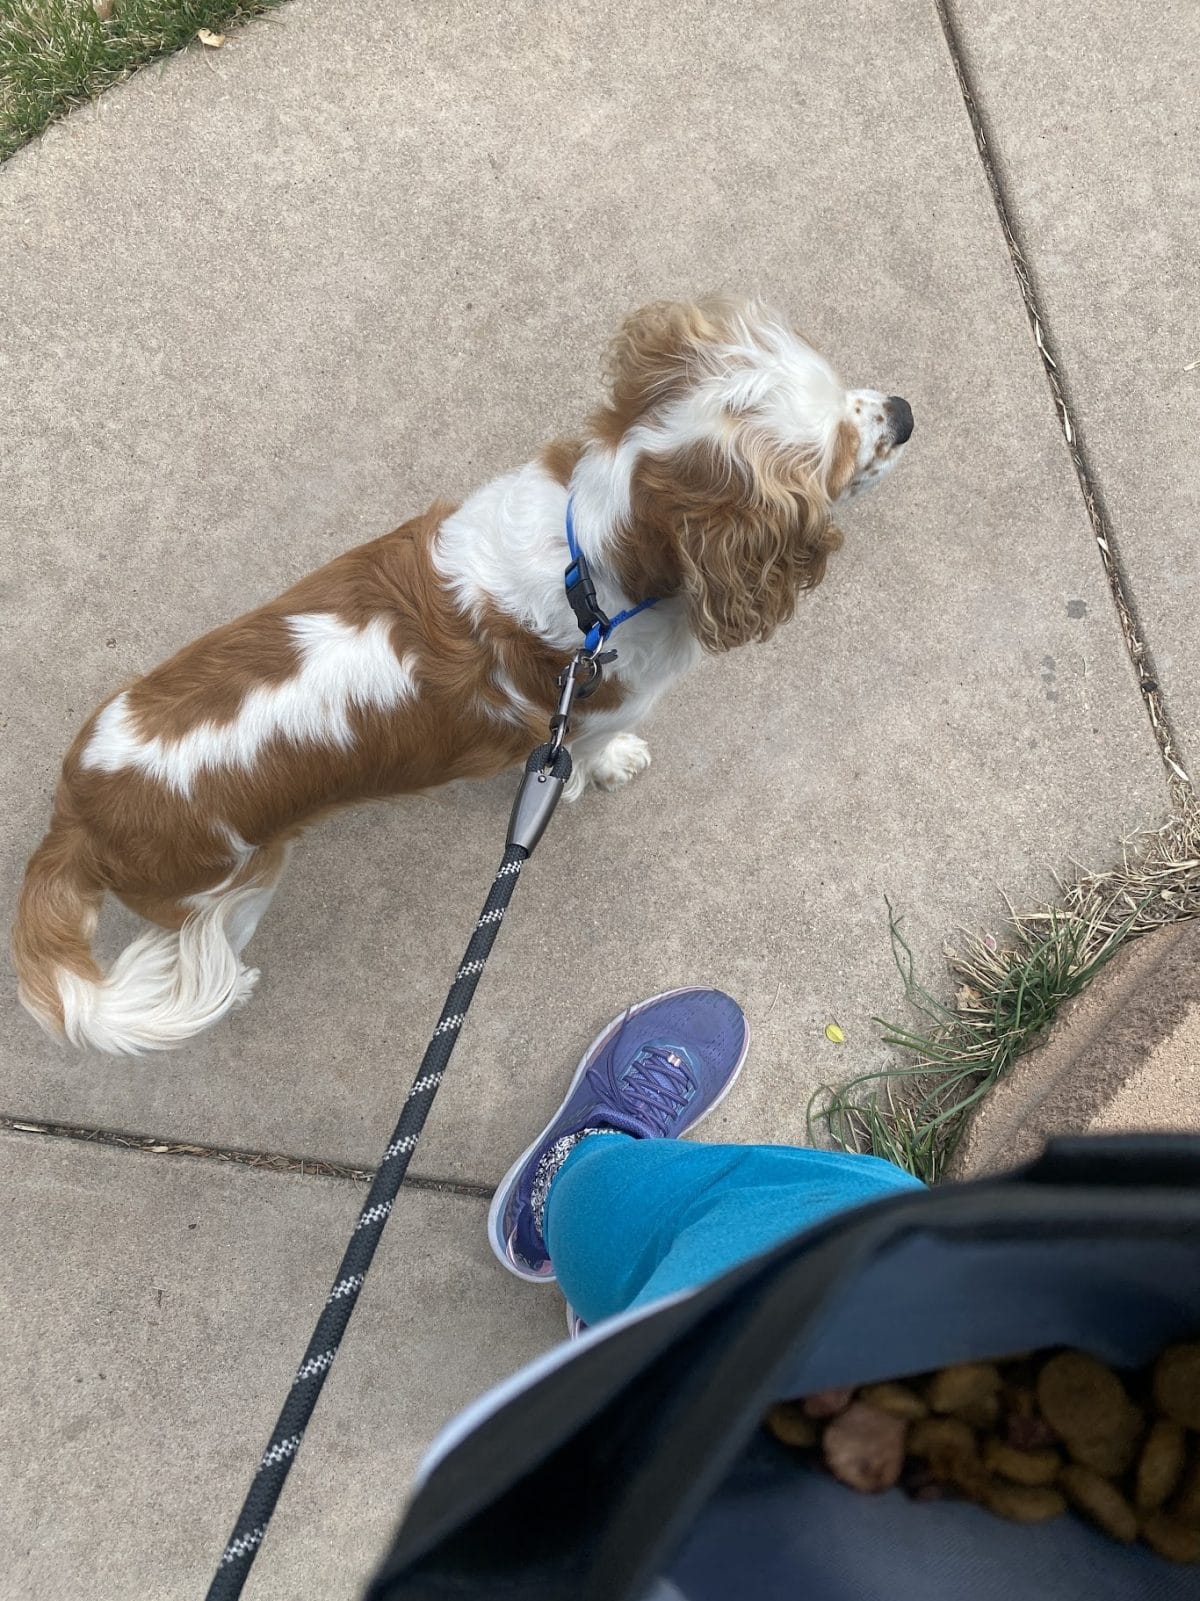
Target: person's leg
(635,1214)
(653,1073)
(628,1221)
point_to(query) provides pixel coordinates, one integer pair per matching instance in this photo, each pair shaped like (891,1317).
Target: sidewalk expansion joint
(1179,785)
(269,1161)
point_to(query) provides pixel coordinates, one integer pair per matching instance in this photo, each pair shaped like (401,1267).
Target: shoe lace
(658,1086)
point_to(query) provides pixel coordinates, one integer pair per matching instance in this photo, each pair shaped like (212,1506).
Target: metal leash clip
(571,684)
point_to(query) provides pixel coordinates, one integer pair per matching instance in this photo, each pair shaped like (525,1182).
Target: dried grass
(1008,993)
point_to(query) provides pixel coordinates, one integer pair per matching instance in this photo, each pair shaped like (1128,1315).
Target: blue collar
(581,595)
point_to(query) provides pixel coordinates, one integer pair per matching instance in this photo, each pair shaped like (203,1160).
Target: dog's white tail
(164,987)
(161,990)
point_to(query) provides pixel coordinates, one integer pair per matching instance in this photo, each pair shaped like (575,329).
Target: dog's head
(731,439)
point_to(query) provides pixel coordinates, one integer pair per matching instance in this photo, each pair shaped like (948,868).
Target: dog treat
(1021,1467)
(1171,1537)
(1028,1431)
(1024,1503)
(791,1425)
(970,1391)
(864,1448)
(920,1483)
(897,1399)
(1099,1499)
(949,1447)
(945,1443)
(1161,1465)
(1028,1439)
(1186,1503)
(827,1403)
(1086,1405)
(1177,1384)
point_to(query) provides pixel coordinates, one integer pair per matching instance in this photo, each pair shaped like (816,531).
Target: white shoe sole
(496,1237)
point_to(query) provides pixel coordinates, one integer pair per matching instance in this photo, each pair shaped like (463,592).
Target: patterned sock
(548,1168)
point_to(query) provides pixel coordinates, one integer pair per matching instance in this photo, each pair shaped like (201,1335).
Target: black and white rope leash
(546,772)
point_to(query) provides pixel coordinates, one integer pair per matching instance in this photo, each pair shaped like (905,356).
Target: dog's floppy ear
(742,570)
(743,543)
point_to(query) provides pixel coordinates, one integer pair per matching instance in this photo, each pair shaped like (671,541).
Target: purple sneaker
(654,1072)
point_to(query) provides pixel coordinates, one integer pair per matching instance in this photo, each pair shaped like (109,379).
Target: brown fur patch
(560,458)
(845,458)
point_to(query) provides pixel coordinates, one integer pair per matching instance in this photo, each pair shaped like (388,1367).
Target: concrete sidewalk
(262,303)
(147,1349)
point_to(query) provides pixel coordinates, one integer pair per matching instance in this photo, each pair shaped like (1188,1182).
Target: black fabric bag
(637,1467)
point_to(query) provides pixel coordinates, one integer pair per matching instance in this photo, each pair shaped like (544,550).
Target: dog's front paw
(614,764)
(623,758)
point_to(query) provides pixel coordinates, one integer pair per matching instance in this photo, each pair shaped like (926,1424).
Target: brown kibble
(970,1390)
(897,1399)
(1161,1466)
(920,1483)
(1029,1433)
(1171,1537)
(1022,1467)
(1019,1399)
(1024,1503)
(941,1436)
(1085,1404)
(1100,1500)
(827,1403)
(947,1446)
(790,1425)
(1177,1384)
(1187,1498)
(864,1448)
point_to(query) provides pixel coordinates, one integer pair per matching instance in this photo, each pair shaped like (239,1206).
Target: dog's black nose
(901,419)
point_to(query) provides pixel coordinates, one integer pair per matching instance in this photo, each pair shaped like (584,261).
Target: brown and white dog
(705,479)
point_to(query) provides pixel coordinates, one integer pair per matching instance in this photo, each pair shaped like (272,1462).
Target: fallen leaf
(834,1034)
(967,999)
(214,41)
(104,9)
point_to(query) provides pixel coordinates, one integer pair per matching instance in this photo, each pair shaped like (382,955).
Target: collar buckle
(594,624)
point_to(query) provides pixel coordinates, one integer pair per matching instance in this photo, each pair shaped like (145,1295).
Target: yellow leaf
(214,41)
(834,1034)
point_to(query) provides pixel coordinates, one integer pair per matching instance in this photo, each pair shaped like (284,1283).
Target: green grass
(914,1112)
(55,54)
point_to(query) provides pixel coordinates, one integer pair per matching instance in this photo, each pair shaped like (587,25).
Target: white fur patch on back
(339,667)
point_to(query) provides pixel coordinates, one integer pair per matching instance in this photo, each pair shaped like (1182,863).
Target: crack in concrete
(271,1161)
(1179,785)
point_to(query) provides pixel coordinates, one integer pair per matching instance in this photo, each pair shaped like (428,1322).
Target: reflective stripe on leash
(546,773)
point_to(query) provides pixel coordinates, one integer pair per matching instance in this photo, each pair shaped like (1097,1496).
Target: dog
(704,482)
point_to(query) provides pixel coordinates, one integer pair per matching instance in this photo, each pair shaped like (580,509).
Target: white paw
(614,764)
(623,758)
